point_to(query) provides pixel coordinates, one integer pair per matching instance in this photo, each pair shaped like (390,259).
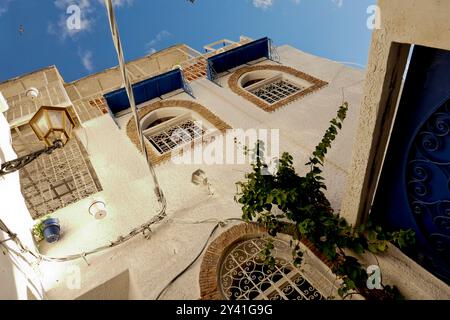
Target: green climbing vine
(305,213)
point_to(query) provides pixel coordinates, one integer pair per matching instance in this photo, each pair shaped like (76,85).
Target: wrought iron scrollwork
(245,276)
(273,52)
(428,179)
(17,164)
(212,73)
(186,86)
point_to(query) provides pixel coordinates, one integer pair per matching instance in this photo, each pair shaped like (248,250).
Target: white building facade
(288,96)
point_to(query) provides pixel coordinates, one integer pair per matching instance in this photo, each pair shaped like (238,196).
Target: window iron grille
(245,276)
(276,91)
(176,135)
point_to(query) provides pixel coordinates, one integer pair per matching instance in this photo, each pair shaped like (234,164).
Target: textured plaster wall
(413,281)
(422,22)
(151,264)
(14,213)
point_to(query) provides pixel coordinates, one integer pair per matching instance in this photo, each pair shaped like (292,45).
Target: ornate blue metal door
(414,188)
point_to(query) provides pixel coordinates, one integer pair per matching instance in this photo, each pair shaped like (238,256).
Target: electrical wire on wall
(219,223)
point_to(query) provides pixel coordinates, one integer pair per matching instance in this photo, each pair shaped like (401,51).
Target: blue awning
(238,56)
(146,90)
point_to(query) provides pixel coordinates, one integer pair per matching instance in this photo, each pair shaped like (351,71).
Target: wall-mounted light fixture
(52,125)
(32,93)
(98,209)
(199,177)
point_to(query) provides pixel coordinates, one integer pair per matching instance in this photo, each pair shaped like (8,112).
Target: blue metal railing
(261,48)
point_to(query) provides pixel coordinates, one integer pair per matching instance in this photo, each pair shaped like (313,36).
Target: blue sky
(335,29)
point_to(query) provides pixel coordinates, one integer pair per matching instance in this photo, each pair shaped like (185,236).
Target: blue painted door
(414,187)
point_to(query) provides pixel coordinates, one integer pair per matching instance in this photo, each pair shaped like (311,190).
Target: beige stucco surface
(16,276)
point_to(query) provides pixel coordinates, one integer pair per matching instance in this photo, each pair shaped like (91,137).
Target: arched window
(169,128)
(244,275)
(272,86)
(233,268)
(171,124)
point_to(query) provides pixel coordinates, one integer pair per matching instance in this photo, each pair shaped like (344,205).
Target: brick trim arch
(210,267)
(233,83)
(215,253)
(155,157)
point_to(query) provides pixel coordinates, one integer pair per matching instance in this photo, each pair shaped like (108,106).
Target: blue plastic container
(51,229)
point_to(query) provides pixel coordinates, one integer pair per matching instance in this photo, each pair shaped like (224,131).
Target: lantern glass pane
(56,118)
(42,124)
(68,127)
(63,139)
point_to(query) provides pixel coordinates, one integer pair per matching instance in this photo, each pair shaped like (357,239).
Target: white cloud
(262,4)
(86,18)
(161,36)
(62,4)
(87,59)
(338,3)
(4,6)
(88,15)
(296,1)
(61,29)
(120,3)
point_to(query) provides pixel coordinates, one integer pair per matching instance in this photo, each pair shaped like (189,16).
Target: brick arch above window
(202,111)
(215,268)
(314,84)
(210,267)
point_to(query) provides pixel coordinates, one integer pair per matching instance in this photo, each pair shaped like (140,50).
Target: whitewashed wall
(14,272)
(127,187)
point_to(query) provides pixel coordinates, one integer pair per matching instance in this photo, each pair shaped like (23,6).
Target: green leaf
(358,248)
(307,213)
(372,235)
(372,247)
(382,246)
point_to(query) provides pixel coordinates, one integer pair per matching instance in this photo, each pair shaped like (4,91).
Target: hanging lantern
(52,125)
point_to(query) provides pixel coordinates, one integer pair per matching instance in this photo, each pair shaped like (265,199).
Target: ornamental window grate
(176,135)
(276,91)
(245,276)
